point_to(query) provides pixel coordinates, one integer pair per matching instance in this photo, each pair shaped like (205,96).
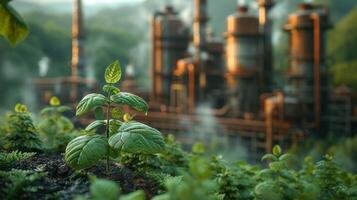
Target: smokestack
(200,23)
(199,41)
(266,28)
(78,36)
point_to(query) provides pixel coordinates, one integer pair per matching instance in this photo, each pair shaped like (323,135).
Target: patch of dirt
(61,182)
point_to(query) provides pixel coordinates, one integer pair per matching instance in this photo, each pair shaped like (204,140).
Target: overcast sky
(88,2)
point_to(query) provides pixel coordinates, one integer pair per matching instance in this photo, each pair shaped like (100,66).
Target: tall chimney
(199,41)
(200,23)
(78,36)
(266,28)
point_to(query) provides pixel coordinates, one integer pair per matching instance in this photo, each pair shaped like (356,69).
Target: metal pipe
(191,88)
(78,36)
(199,41)
(266,28)
(317,57)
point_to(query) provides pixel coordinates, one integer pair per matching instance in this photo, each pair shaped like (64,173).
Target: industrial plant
(232,78)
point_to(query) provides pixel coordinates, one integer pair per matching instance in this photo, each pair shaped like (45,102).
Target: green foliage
(113,72)
(124,98)
(195,183)
(219,179)
(18,184)
(12,26)
(104,189)
(21,133)
(341,50)
(137,195)
(85,151)
(55,129)
(8,160)
(90,102)
(133,137)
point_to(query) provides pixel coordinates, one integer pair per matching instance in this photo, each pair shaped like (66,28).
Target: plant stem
(107,132)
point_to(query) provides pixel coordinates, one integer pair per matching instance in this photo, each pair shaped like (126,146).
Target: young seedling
(56,129)
(119,136)
(21,132)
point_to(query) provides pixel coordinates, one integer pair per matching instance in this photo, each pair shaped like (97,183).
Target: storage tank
(307,73)
(243,60)
(170,38)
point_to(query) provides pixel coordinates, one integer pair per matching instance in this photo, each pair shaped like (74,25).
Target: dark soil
(61,182)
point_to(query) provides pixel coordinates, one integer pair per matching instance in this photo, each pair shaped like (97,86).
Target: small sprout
(20,108)
(328,157)
(111,89)
(198,148)
(54,101)
(277,150)
(86,151)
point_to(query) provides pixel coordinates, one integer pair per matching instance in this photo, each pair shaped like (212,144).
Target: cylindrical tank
(170,39)
(307,72)
(243,60)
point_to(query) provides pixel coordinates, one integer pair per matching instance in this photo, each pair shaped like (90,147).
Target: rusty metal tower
(78,36)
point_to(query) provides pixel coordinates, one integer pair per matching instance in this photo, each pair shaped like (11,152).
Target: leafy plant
(55,129)
(120,136)
(18,184)
(21,133)
(103,189)
(7,160)
(12,26)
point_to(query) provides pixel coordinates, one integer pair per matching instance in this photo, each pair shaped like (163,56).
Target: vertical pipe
(269,128)
(266,28)
(317,59)
(191,88)
(199,41)
(153,57)
(77,64)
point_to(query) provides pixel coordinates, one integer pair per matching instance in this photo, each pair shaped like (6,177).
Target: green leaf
(114,126)
(113,72)
(117,113)
(63,108)
(99,113)
(135,137)
(267,190)
(111,89)
(137,195)
(95,125)
(104,189)
(276,166)
(269,157)
(12,26)
(47,110)
(85,151)
(276,150)
(90,102)
(131,100)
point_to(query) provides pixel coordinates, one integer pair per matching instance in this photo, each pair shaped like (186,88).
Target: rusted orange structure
(244,61)
(308,73)
(71,88)
(170,39)
(245,79)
